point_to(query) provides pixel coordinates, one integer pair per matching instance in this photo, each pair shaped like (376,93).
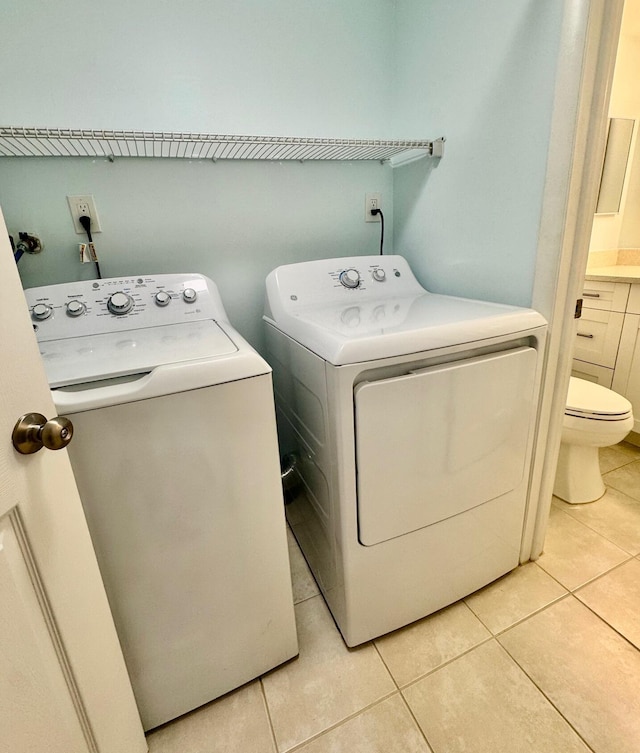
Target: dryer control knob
(120,303)
(162,298)
(379,275)
(41,311)
(189,295)
(350,278)
(76,308)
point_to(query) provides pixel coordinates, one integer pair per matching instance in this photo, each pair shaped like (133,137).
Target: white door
(63,682)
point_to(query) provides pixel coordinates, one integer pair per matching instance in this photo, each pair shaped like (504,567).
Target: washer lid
(588,400)
(76,360)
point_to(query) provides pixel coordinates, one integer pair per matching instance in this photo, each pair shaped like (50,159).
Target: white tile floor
(545,660)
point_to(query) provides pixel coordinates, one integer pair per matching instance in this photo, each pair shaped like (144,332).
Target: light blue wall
(232,221)
(263,67)
(285,67)
(482,74)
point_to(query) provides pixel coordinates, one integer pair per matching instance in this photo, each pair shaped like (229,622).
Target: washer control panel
(90,307)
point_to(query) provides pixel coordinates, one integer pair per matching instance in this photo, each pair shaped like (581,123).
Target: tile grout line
(446,663)
(595,530)
(310,571)
(553,577)
(331,727)
(266,707)
(586,583)
(616,468)
(629,556)
(608,483)
(492,636)
(417,723)
(384,663)
(400,693)
(544,695)
(626,462)
(306,598)
(608,572)
(608,624)
(531,614)
(590,528)
(470,608)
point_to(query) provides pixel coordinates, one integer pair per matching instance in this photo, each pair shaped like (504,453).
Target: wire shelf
(61,142)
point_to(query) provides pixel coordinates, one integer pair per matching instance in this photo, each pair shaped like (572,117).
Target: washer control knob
(162,298)
(41,311)
(76,308)
(189,295)
(379,275)
(120,303)
(350,278)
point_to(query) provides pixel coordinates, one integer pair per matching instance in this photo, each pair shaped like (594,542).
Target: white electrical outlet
(84,206)
(372,201)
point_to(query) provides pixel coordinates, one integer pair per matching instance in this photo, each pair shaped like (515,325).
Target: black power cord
(376,212)
(85,221)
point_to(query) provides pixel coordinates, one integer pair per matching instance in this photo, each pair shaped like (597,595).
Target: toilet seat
(592,401)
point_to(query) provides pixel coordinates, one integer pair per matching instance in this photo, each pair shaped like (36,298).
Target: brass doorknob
(33,432)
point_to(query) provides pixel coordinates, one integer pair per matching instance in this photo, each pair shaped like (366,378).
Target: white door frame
(588,46)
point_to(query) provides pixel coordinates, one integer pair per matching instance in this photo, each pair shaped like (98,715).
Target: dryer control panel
(117,304)
(342,281)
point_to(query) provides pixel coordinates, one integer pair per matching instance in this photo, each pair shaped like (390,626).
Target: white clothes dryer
(176,460)
(413,417)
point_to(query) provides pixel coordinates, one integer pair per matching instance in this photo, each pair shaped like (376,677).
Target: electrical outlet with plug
(372,201)
(84,206)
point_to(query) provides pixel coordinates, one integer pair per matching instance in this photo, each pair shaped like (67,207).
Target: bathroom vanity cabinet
(607,349)
(599,330)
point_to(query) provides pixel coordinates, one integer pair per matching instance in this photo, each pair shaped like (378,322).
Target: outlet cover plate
(79,205)
(372,201)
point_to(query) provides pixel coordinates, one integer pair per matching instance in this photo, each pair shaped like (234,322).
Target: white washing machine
(413,417)
(176,459)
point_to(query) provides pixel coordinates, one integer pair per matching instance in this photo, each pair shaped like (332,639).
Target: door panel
(31,677)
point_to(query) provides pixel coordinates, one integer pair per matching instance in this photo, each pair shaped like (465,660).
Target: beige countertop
(615,273)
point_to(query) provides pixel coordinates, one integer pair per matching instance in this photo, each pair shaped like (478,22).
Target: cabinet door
(633,306)
(626,378)
(598,337)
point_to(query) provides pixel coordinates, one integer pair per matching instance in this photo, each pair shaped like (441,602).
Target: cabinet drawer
(605,296)
(591,372)
(598,337)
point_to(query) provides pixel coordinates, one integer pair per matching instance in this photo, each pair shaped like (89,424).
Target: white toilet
(594,417)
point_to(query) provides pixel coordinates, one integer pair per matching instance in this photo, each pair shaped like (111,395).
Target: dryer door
(437,442)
